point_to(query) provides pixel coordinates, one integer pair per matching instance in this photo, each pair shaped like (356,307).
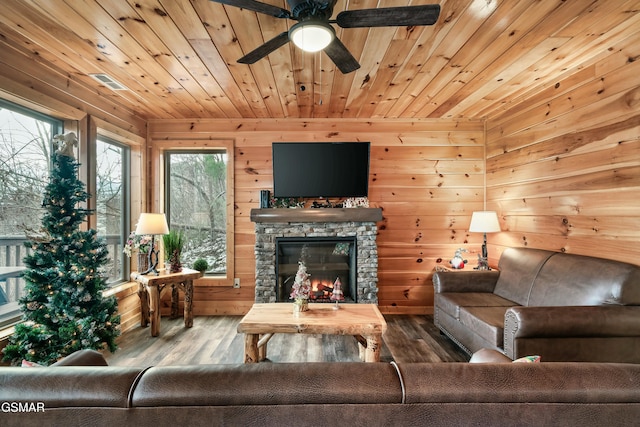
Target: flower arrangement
(301,288)
(141,243)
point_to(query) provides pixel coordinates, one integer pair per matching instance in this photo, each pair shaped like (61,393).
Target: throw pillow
(528,359)
(28,364)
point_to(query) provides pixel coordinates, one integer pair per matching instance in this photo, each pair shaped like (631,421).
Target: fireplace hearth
(326,228)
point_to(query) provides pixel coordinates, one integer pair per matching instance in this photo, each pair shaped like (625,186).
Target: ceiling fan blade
(257,6)
(389,16)
(264,50)
(341,56)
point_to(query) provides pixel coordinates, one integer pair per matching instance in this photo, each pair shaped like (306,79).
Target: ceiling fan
(313,31)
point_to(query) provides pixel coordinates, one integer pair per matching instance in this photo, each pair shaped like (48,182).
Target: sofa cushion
(268,384)
(451,302)
(518,269)
(576,280)
(579,383)
(487,322)
(64,386)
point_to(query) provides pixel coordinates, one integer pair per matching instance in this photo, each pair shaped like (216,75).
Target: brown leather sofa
(559,306)
(322,394)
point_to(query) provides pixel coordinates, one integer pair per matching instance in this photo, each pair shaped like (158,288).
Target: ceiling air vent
(108,81)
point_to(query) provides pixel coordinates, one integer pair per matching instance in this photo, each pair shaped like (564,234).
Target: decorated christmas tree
(63,308)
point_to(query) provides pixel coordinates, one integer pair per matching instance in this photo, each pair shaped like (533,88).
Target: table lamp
(152,223)
(484,222)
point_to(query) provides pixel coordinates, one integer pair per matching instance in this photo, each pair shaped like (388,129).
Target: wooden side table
(150,290)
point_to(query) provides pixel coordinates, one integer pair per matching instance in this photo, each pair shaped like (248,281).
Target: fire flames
(321,289)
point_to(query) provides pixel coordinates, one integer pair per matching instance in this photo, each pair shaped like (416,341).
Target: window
(112,202)
(197,203)
(25,149)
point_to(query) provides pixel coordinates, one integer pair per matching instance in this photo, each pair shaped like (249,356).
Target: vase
(143,263)
(300,305)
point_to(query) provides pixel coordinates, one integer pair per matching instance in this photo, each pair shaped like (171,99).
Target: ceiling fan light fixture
(312,36)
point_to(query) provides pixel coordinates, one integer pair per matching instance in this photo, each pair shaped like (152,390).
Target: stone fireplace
(357,225)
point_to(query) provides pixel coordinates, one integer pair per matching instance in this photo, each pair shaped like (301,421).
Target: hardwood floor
(213,339)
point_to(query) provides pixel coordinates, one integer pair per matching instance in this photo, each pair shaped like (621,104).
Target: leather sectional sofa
(321,394)
(559,306)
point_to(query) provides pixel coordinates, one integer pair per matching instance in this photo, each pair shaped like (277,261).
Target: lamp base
(151,271)
(483,263)
(153,263)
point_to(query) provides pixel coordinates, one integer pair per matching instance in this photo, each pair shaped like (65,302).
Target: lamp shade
(484,222)
(312,36)
(152,223)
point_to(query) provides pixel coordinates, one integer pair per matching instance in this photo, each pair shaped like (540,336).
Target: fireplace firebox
(327,259)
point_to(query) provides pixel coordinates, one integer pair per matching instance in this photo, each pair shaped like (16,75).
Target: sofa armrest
(583,321)
(83,358)
(587,333)
(465,281)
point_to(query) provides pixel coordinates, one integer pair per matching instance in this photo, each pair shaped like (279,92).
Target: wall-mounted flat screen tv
(320,169)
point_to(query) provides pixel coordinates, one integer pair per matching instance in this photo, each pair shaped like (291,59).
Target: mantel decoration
(63,308)
(356,202)
(301,289)
(286,202)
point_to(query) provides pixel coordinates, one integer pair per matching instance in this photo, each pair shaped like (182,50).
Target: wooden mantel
(317,215)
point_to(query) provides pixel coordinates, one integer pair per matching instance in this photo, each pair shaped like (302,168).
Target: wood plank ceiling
(178,57)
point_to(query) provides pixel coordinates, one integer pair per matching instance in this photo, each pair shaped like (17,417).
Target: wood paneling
(563,167)
(553,85)
(128,305)
(426,175)
(178,58)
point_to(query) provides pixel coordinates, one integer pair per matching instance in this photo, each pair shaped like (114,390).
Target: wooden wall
(563,171)
(563,165)
(426,175)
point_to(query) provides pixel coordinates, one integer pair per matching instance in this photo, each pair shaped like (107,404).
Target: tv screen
(320,169)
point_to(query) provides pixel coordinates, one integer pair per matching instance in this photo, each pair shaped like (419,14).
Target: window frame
(125,218)
(10,313)
(159,174)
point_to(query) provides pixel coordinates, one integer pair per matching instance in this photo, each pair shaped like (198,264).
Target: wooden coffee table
(363,321)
